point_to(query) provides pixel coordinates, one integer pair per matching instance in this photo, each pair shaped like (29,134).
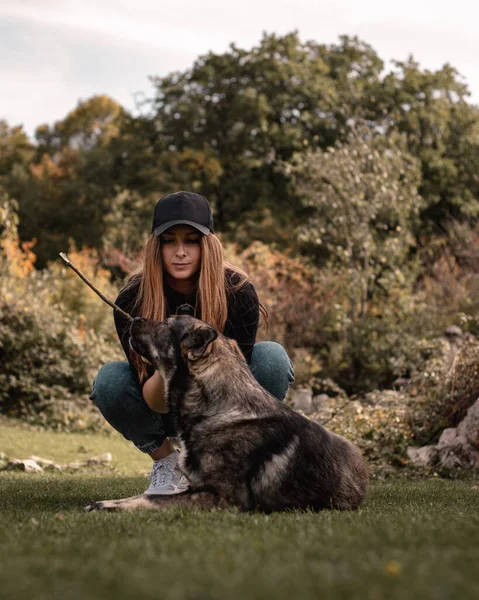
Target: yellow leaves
(19,257)
(393,568)
(16,258)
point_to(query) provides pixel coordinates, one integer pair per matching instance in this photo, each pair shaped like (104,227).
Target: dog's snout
(136,324)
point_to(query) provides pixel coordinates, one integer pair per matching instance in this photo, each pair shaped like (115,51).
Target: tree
(64,190)
(92,124)
(365,207)
(15,149)
(254,109)
(365,204)
(430,108)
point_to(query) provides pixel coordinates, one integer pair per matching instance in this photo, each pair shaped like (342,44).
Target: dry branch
(90,284)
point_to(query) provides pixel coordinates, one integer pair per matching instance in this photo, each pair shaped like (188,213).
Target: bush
(49,353)
(444,387)
(297,295)
(48,367)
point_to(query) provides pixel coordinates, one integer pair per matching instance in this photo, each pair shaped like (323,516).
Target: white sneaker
(166,478)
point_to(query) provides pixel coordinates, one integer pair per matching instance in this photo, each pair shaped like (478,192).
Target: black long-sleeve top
(241,323)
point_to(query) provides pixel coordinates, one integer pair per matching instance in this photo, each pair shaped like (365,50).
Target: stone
(302,399)
(321,405)
(43,462)
(422,457)
(457,448)
(100,460)
(27,465)
(385,399)
(453,331)
(456,455)
(447,438)
(469,426)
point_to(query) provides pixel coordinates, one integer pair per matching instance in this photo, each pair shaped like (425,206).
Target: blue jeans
(118,396)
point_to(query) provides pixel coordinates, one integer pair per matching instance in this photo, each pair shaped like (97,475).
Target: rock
(469,426)
(457,448)
(385,399)
(36,464)
(73,466)
(46,464)
(453,332)
(302,399)
(321,405)
(100,460)
(456,454)
(27,465)
(447,438)
(43,462)
(422,457)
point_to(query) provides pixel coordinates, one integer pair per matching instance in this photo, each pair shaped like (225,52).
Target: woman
(183,271)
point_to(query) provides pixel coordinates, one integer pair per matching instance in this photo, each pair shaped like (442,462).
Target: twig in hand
(80,274)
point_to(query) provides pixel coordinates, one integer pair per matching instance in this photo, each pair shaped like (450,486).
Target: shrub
(445,385)
(49,353)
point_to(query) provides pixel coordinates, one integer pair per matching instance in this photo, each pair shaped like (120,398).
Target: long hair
(213,288)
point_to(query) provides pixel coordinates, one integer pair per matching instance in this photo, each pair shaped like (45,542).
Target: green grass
(22,441)
(410,540)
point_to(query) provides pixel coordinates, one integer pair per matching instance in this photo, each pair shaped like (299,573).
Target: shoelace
(162,472)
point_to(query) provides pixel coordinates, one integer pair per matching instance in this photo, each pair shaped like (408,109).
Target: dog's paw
(102,505)
(124,504)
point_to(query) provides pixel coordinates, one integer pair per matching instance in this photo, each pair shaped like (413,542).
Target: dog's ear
(196,342)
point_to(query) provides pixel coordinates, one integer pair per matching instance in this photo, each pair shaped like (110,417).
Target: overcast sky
(56,52)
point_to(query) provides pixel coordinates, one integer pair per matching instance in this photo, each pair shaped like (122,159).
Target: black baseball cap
(182,208)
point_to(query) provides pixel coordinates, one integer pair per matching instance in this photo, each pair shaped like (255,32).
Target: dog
(241,448)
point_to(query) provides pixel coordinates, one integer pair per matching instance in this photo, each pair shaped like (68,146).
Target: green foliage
(15,148)
(349,194)
(92,124)
(47,367)
(63,191)
(49,351)
(364,205)
(225,127)
(444,386)
(254,109)
(431,109)
(278,277)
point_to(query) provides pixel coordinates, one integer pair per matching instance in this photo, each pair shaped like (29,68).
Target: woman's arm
(243,318)
(154,393)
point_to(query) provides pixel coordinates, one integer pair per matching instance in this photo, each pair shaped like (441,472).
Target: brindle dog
(240,446)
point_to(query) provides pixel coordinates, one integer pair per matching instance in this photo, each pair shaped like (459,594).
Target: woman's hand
(154,393)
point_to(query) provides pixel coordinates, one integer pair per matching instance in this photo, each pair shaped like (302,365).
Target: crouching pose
(183,271)
(240,446)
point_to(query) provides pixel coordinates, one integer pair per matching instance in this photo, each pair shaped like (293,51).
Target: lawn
(410,540)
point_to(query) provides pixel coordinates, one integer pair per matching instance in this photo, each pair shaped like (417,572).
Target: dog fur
(240,446)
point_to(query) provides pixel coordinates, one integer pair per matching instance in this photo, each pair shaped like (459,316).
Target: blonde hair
(213,287)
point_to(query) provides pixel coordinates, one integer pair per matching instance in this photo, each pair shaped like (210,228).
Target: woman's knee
(272,367)
(113,379)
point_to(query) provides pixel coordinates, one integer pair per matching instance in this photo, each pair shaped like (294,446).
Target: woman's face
(181,251)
